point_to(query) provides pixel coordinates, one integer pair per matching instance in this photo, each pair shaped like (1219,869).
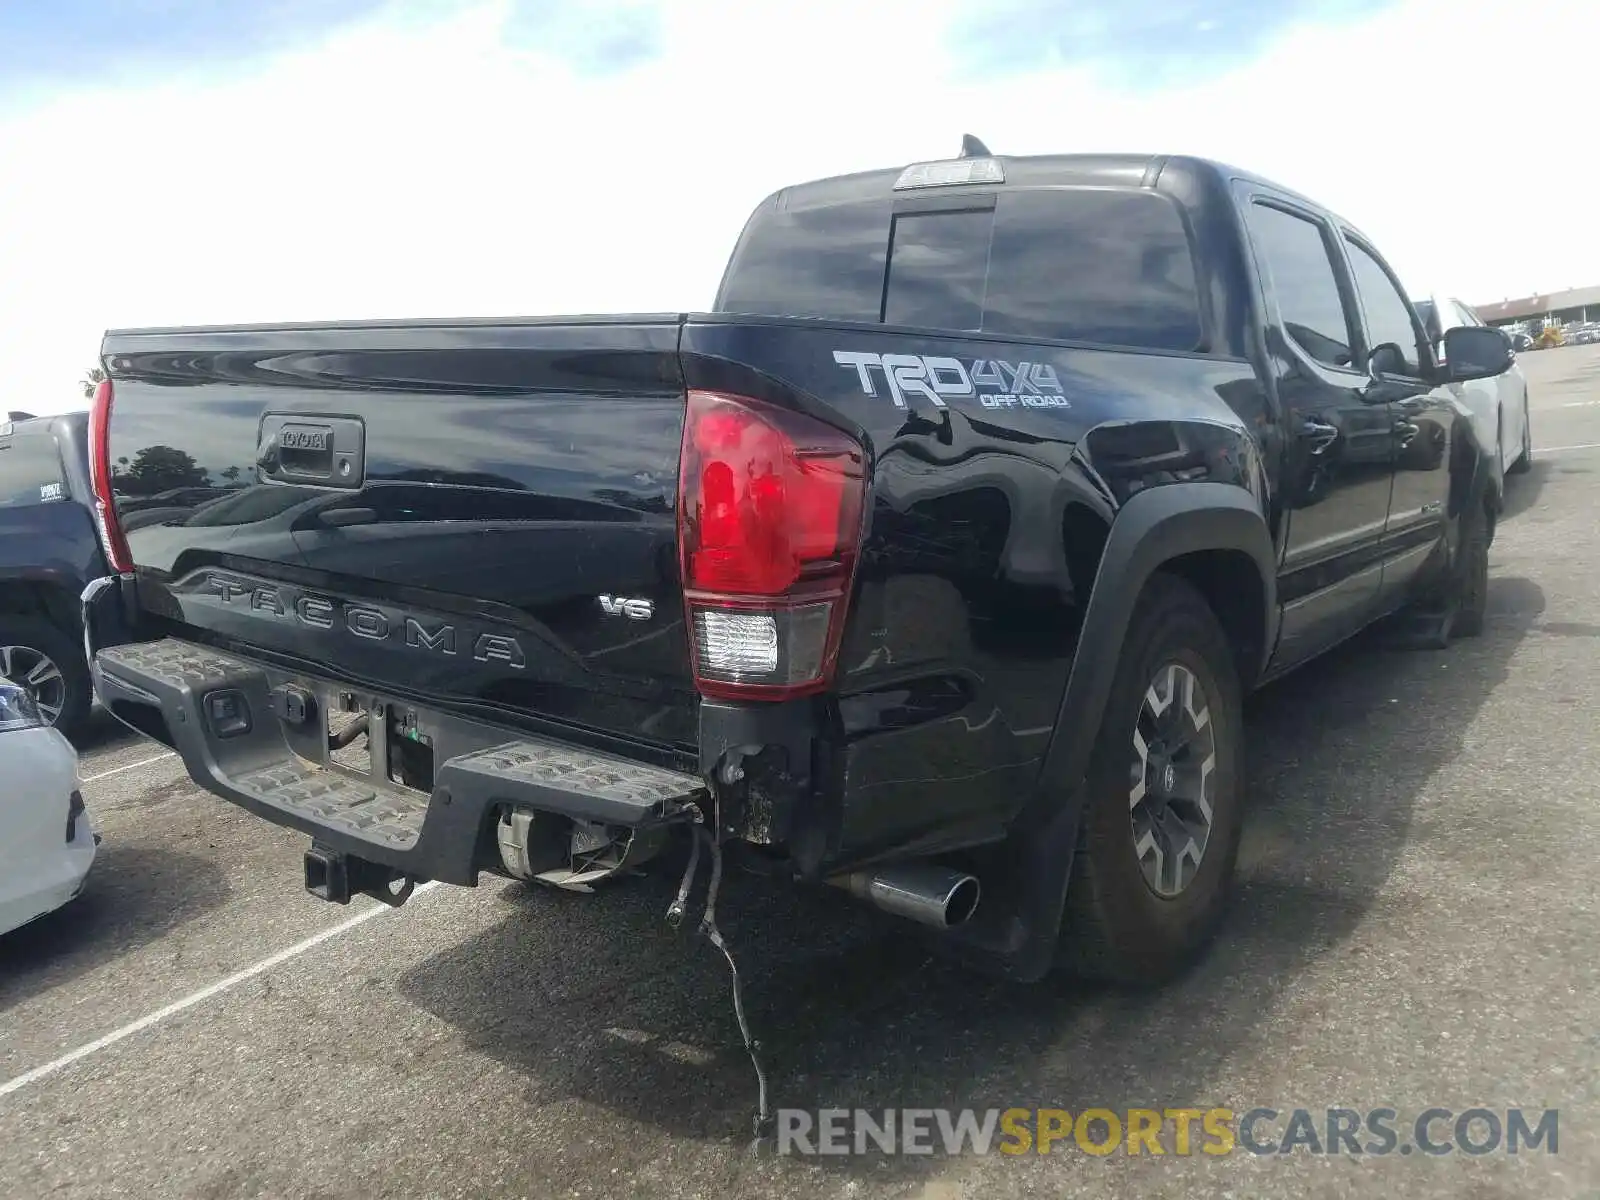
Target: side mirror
(1386,359)
(1475,352)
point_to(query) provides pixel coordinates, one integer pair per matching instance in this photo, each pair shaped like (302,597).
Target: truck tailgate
(479,512)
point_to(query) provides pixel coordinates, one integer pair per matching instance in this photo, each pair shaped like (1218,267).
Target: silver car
(1499,405)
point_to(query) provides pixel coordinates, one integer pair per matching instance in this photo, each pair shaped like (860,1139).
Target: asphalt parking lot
(1416,928)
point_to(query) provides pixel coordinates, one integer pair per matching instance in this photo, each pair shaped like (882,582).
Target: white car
(1499,405)
(47,838)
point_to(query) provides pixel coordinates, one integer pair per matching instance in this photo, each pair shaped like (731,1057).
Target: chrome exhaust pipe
(922,892)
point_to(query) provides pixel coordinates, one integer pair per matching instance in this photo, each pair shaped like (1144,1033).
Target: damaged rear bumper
(439,797)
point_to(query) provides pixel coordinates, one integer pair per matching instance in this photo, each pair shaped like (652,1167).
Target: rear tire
(1132,917)
(59,677)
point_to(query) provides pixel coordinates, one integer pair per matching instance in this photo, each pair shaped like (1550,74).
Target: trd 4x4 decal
(994,382)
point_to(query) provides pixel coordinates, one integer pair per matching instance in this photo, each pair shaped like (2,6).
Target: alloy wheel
(1170,787)
(39,675)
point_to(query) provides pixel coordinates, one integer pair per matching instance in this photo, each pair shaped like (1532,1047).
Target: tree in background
(91,380)
(160,469)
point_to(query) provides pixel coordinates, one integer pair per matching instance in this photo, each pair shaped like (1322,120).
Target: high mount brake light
(951,173)
(112,541)
(770,507)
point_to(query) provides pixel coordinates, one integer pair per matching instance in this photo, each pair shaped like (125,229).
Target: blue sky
(1140,44)
(214,161)
(47,45)
(58,43)
(50,45)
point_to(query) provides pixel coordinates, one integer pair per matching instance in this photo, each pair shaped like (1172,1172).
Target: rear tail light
(112,541)
(770,508)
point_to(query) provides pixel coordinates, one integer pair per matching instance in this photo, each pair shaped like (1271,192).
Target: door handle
(343,518)
(1319,433)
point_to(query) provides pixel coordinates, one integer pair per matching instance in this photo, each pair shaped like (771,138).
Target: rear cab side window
(1112,266)
(1298,260)
(1386,311)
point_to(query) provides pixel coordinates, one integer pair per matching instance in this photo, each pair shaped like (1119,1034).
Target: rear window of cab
(1102,265)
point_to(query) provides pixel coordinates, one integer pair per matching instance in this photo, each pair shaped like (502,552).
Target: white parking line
(1559,449)
(189,1001)
(143,762)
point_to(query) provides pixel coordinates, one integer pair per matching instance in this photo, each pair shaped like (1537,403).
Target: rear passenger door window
(1305,285)
(1384,306)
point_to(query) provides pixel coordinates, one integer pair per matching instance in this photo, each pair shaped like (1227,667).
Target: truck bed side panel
(983,537)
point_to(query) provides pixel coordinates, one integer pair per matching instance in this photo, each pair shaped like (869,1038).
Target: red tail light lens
(105,510)
(770,508)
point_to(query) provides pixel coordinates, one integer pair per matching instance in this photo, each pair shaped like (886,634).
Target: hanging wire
(709,930)
(708,927)
(676,909)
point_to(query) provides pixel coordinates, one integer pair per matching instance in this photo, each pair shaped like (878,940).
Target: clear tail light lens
(770,509)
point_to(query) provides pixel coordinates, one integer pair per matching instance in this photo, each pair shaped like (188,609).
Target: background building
(1574,307)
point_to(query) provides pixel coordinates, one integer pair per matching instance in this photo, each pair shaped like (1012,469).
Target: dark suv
(48,551)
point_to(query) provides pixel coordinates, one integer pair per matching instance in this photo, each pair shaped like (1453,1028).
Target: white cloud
(405,171)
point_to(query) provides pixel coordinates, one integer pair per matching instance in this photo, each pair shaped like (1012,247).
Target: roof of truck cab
(1045,170)
(47,423)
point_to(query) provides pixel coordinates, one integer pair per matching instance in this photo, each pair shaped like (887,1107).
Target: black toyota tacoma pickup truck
(49,551)
(932,563)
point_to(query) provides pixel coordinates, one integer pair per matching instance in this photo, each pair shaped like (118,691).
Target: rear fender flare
(1475,483)
(1474,473)
(1152,529)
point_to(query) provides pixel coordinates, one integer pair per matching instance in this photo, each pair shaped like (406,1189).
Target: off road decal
(993,382)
